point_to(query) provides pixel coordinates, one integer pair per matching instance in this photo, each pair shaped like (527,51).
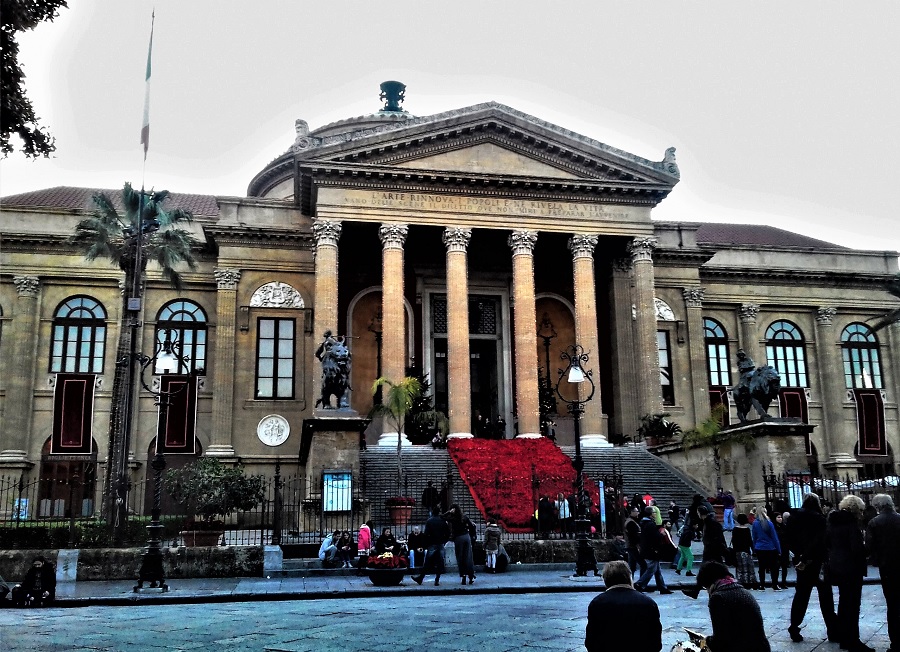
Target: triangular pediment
(486,158)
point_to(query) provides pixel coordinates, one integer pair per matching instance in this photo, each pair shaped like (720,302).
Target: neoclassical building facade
(472,246)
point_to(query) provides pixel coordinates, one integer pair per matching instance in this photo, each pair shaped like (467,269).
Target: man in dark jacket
(847,568)
(610,613)
(736,618)
(633,539)
(437,533)
(805,533)
(651,547)
(883,547)
(713,536)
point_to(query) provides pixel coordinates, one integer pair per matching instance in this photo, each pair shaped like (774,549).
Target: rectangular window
(275,359)
(665,367)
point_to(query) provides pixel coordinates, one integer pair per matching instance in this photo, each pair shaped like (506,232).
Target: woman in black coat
(847,568)
(736,618)
(460,527)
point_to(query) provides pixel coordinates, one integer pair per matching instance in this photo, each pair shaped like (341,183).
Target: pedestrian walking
(462,531)
(633,542)
(728,503)
(492,536)
(651,550)
(564,515)
(806,537)
(713,536)
(437,534)
(742,544)
(784,560)
(767,547)
(883,547)
(847,568)
(686,556)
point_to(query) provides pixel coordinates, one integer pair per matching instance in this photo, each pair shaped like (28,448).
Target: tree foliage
(17,115)
(208,489)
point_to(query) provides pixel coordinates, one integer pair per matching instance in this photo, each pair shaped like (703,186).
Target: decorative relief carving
(27,286)
(622,265)
(276,295)
(327,233)
(642,249)
(227,278)
(522,242)
(748,312)
(669,164)
(302,141)
(825,315)
(393,235)
(693,297)
(664,312)
(582,246)
(457,238)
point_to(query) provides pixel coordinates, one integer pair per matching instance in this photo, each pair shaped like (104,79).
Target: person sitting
(736,618)
(346,549)
(38,589)
(609,613)
(328,550)
(387,542)
(416,544)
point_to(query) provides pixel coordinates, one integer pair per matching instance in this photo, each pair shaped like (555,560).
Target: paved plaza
(542,610)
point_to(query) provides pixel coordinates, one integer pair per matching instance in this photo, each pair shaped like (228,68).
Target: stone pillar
(582,248)
(19,405)
(393,317)
(838,438)
(458,360)
(749,334)
(624,379)
(325,316)
(650,401)
(527,402)
(693,303)
(221,442)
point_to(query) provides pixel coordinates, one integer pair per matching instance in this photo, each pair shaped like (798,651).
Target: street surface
(443,621)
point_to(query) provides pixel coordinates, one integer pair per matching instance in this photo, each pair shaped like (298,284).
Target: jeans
(728,523)
(806,580)
(635,560)
(685,558)
(653,570)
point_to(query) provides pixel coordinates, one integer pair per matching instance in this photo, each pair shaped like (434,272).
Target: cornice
(29,242)
(680,258)
(261,237)
(796,276)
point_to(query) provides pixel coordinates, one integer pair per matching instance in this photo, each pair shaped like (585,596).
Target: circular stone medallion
(273,430)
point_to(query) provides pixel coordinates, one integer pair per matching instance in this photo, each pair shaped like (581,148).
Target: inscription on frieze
(476,205)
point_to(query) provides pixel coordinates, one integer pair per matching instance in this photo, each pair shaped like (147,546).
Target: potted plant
(398,406)
(656,429)
(209,491)
(386,569)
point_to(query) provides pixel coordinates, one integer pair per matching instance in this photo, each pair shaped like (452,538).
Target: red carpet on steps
(499,474)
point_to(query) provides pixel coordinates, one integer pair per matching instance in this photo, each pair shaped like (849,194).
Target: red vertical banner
(870,421)
(792,403)
(176,424)
(73,414)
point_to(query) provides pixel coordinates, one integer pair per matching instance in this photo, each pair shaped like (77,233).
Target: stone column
(625,397)
(641,250)
(582,248)
(458,361)
(837,437)
(393,317)
(749,334)
(19,405)
(693,303)
(325,316)
(221,442)
(525,328)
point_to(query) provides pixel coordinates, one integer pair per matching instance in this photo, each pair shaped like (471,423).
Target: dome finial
(393,93)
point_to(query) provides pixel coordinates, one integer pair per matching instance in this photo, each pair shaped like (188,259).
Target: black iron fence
(785,491)
(299,509)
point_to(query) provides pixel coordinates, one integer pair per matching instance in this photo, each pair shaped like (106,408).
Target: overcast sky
(785,114)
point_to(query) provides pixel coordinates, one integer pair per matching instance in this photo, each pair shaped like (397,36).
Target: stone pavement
(543,608)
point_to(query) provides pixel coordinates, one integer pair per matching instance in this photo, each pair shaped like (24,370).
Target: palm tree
(145,232)
(892,316)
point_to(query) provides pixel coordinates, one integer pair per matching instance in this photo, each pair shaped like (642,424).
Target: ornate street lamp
(547,397)
(166,359)
(575,374)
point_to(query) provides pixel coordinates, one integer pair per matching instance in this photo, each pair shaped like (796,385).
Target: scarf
(718,584)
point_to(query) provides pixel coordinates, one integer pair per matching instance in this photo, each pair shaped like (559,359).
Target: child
(491,545)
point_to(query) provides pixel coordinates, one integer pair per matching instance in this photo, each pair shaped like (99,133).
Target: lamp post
(575,374)
(548,401)
(164,360)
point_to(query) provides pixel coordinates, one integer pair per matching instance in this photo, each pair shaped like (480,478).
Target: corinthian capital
(327,233)
(825,315)
(749,312)
(642,249)
(227,278)
(393,235)
(27,286)
(522,242)
(693,297)
(582,246)
(457,238)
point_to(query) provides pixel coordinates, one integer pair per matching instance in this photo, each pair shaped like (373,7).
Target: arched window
(785,350)
(862,366)
(717,364)
(187,321)
(79,337)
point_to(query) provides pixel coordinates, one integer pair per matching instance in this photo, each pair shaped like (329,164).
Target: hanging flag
(145,130)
